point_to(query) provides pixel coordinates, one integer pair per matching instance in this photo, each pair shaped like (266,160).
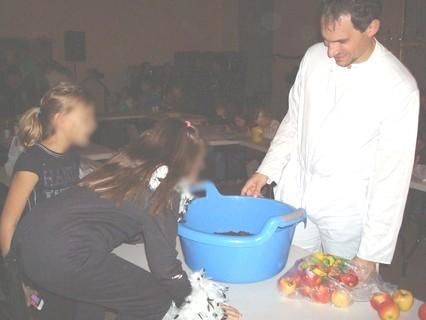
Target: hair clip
(189,124)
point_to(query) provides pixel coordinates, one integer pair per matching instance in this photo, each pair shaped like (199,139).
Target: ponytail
(30,128)
(37,123)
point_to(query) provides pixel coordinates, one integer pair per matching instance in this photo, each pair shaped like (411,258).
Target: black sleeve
(160,233)
(28,161)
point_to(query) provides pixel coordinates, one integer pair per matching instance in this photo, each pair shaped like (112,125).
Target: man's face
(346,44)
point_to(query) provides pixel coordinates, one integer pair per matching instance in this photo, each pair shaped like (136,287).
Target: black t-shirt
(56,171)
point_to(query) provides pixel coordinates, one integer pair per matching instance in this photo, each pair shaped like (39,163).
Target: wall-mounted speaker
(75,46)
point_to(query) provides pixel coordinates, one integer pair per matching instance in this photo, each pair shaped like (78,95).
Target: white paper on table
(420,172)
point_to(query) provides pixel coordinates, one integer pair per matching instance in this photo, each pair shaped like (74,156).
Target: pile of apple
(322,278)
(389,306)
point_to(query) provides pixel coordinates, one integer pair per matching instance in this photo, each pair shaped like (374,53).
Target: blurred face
(346,44)
(221,111)
(77,125)
(240,122)
(263,121)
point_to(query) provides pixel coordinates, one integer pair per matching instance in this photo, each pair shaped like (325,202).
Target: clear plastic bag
(324,278)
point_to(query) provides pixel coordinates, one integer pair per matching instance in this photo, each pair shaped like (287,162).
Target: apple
(334,273)
(379,298)
(404,299)
(422,312)
(287,286)
(389,311)
(321,294)
(306,290)
(311,279)
(297,278)
(350,279)
(341,298)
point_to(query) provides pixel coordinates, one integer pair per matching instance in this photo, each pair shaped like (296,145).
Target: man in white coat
(345,150)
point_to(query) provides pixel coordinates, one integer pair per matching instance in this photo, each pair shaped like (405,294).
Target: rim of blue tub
(270,227)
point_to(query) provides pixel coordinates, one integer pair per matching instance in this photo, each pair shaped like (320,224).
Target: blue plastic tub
(237,259)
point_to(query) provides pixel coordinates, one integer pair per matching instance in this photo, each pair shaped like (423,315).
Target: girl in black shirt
(66,246)
(49,165)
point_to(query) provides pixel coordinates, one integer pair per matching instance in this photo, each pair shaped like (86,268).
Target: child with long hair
(66,245)
(49,164)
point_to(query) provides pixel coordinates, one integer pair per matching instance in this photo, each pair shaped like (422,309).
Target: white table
(216,137)
(262,300)
(418,184)
(96,152)
(195,119)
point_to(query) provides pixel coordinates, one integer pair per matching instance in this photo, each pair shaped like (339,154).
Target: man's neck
(368,52)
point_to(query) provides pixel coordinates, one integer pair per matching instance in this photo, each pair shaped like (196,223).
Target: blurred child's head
(240,121)
(264,118)
(220,110)
(66,111)
(172,143)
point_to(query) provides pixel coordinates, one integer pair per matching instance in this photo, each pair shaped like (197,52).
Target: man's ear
(373,28)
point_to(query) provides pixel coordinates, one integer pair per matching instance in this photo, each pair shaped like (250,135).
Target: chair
(417,211)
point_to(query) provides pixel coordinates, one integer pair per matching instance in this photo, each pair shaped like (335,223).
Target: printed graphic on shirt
(59,179)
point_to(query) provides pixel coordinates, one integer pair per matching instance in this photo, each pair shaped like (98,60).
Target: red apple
(297,278)
(287,286)
(321,294)
(334,273)
(306,290)
(311,279)
(422,312)
(404,299)
(350,279)
(389,311)
(379,298)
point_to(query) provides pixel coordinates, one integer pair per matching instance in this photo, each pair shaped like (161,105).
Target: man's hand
(364,268)
(254,185)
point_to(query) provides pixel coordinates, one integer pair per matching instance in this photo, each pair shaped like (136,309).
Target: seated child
(221,115)
(265,120)
(241,122)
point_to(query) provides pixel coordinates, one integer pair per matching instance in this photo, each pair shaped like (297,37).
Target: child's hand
(28,292)
(231,313)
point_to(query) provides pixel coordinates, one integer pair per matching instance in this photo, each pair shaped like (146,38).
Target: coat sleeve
(160,233)
(390,181)
(279,152)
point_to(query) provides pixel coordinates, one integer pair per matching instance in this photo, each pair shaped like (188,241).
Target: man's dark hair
(362,12)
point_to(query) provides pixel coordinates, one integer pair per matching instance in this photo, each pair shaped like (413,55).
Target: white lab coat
(345,151)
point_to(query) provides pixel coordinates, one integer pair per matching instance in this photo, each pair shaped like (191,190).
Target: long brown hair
(36,124)
(126,176)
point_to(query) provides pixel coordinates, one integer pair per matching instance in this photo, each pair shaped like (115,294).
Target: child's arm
(20,189)
(160,234)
